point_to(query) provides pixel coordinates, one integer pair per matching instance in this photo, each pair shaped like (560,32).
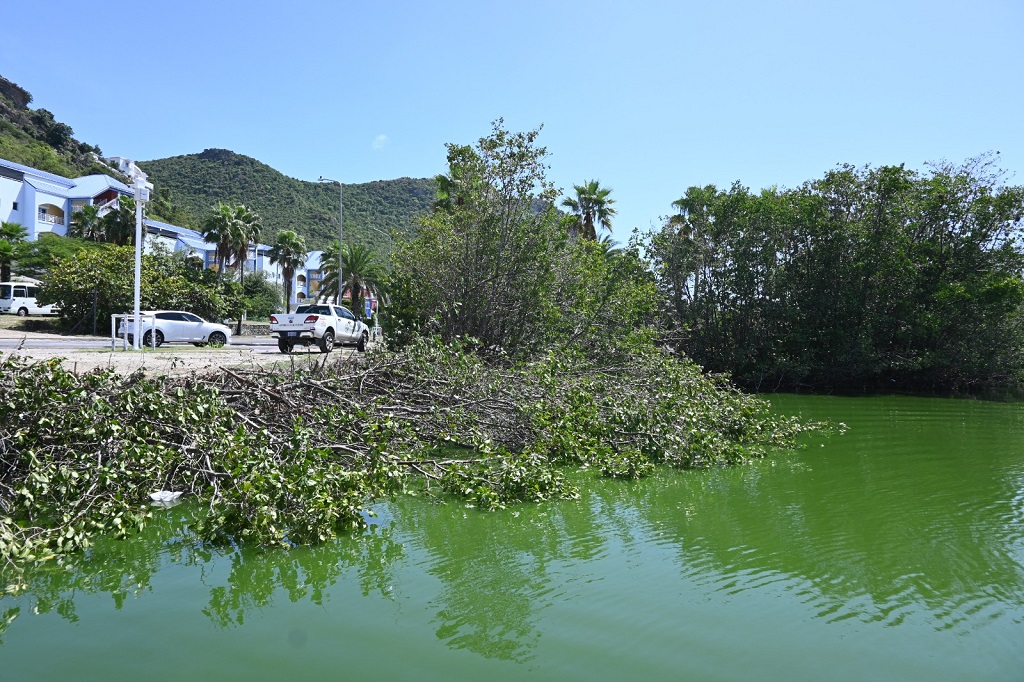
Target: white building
(44,202)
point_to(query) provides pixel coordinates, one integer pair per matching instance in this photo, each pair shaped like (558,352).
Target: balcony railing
(52,219)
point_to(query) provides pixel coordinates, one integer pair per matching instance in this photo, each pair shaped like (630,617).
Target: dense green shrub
(866,279)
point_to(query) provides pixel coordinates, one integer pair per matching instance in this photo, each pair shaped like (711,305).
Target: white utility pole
(141,196)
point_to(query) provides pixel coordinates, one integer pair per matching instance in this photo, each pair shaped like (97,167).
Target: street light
(141,188)
(341,229)
(391,241)
(391,246)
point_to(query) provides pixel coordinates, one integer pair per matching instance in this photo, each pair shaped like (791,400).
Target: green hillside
(33,137)
(196,182)
(188,187)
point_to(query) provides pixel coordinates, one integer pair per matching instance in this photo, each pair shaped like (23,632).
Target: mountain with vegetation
(33,137)
(195,184)
(188,188)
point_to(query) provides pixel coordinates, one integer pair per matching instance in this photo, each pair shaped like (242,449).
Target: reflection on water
(913,522)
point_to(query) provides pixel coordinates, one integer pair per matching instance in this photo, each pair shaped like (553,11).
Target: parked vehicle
(323,324)
(175,326)
(20,298)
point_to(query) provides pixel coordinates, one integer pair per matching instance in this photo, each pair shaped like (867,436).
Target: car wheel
(327,341)
(22,312)
(284,346)
(218,339)
(361,346)
(147,338)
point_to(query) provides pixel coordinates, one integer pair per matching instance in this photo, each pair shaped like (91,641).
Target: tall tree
(483,264)
(218,230)
(11,235)
(872,278)
(244,233)
(363,272)
(289,251)
(592,206)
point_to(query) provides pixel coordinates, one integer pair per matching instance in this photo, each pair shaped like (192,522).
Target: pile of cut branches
(295,457)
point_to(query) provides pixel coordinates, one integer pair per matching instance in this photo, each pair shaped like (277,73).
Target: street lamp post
(391,246)
(391,241)
(341,230)
(141,196)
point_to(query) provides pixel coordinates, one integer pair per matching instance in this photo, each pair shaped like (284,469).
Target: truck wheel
(22,312)
(284,346)
(361,346)
(327,341)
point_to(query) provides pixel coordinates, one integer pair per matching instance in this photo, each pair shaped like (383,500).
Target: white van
(20,298)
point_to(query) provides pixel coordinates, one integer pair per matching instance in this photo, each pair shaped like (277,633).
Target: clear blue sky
(647,97)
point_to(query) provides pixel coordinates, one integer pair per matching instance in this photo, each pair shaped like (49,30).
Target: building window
(15,205)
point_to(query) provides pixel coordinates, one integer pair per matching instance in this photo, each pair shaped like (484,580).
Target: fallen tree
(295,457)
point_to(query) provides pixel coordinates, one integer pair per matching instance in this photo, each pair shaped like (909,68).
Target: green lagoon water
(892,552)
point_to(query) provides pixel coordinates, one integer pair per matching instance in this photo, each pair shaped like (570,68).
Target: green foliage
(494,263)
(362,270)
(866,279)
(294,458)
(507,479)
(33,137)
(12,242)
(295,494)
(34,259)
(106,277)
(592,206)
(262,297)
(482,266)
(118,226)
(86,224)
(199,181)
(289,251)
(76,466)
(164,207)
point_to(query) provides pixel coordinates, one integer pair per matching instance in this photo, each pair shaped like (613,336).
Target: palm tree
(609,247)
(453,189)
(87,224)
(245,231)
(118,226)
(289,251)
(11,234)
(328,271)
(363,271)
(592,206)
(217,230)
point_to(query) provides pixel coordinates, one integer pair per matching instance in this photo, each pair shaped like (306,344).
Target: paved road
(86,353)
(10,339)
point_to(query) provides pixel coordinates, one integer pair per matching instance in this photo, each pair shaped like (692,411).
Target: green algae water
(892,552)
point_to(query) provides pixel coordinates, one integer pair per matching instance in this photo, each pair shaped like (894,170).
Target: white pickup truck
(324,324)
